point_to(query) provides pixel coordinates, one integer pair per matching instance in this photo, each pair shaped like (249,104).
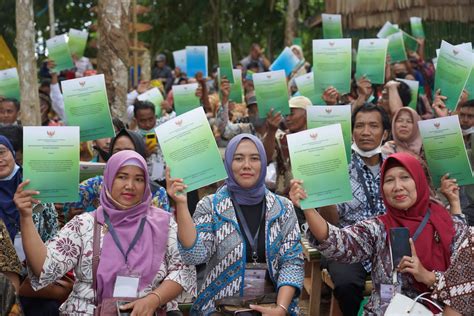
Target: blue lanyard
(138,234)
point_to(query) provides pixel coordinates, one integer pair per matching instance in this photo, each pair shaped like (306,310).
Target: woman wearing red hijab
(406,195)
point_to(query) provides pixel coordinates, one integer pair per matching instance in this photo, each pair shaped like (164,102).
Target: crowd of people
(134,236)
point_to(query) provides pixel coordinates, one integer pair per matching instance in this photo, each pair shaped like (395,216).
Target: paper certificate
(236,90)
(271,92)
(185,98)
(58,51)
(51,162)
(154,96)
(414,86)
(305,85)
(286,61)
(332,26)
(87,106)
(396,48)
(417,27)
(179,57)
(9,83)
(224,54)
(410,42)
(371,58)
(318,116)
(196,60)
(469,87)
(444,150)
(90,169)
(453,69)
(77,42)
(190,149)
(387,29)
(332,63)
(318,158)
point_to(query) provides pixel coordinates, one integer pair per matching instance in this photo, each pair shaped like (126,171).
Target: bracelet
(437,278)
(282,306)
(157,295)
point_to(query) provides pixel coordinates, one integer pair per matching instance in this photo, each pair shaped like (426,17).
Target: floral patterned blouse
(72,249)
(367,240)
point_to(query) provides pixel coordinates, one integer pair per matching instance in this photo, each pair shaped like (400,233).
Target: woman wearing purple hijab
(247,236)
(138,257)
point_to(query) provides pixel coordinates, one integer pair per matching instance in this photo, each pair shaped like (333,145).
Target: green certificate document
(414,86)
(154,96)
(190,150)
(271,92)
(332,26)
(371,58)
(318,157)
(77,42)
(185,98)
(417,27)
(51,162)
(470,81)
(318,116)
(305,85)
(332,63)
(224,54)
(396,48)
(236,89)
(387,30)
(452,71)
(87,106)
(58,51)
(444,150)
(410,42)
(90,169)
(10,83)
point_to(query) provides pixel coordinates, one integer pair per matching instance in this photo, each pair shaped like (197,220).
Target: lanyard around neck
(138,234)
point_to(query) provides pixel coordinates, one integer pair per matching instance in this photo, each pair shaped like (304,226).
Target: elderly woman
(405,132)
(241,232)
(406,196)
(138,246)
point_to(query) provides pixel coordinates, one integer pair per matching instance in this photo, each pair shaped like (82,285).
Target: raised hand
(176,188)
(297,192)
(24,199)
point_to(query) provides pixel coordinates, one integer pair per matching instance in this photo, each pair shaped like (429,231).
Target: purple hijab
(147,255)
(243,196)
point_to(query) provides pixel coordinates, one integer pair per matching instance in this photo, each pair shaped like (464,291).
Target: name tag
(255,282)
(388,291)
(126,286)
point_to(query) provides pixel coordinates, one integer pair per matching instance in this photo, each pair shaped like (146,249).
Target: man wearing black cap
(162,72)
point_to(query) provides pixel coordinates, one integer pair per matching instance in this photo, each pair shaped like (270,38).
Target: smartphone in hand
(399,243)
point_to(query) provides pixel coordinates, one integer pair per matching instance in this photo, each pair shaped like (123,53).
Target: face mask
(367,154)
(256,121)
(143,132)
(468,131)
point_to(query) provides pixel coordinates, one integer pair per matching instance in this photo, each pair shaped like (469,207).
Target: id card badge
(254,279)
(388,291)
(126,284)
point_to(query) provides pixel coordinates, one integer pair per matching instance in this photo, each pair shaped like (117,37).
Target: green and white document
(396,48)
(90,169)
(444,150)
(318,157)
(410,42)
(469,87)
(10,83)
(58,51)
(154,96)
(271,92)
(77,42)
(185,98)
(51,162)
(414,86)
(87,106)
(452,71)
(387,30)
(318,116)
(190,150)
(332,63)
(236,89)
(417,27)
(332,26)
(224,54)
(371,58)
(305,85)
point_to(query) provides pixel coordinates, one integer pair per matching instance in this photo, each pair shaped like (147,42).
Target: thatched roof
(364,14)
